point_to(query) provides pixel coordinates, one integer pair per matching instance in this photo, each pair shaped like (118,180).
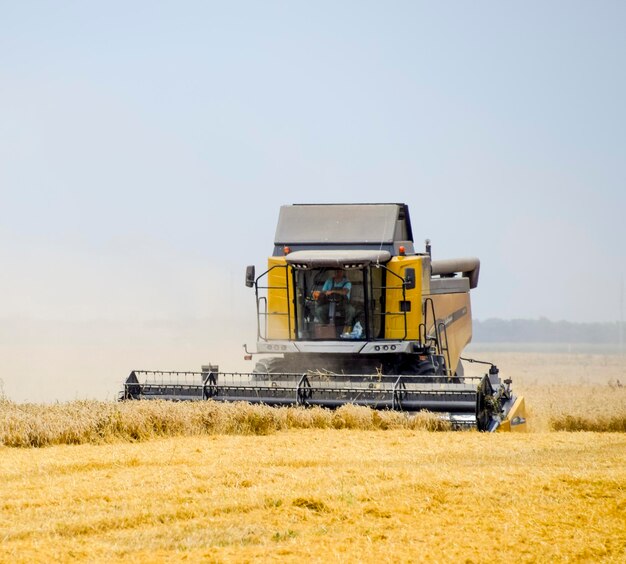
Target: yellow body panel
(278,280)
(516,418)
(394,322)
(454,310)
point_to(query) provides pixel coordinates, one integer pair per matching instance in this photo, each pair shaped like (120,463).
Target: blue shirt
(331,284)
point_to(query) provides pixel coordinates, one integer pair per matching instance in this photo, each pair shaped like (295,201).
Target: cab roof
(343,225)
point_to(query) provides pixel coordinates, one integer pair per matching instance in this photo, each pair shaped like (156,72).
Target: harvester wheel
(267,366)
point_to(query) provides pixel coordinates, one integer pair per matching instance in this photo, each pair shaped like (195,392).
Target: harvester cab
(349,312)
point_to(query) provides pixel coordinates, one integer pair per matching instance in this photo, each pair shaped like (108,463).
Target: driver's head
(338,274)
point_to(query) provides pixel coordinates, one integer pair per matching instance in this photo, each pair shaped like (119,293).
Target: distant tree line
(545,331)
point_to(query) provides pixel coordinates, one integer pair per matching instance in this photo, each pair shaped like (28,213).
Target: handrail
(288,302)
(443,330)
(428,301)
(403,286)
(263,299)
(259,313)
(440,333)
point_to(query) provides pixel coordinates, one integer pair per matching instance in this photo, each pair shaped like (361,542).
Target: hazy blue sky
(145,147)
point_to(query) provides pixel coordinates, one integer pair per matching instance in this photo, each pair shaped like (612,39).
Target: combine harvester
(349,313)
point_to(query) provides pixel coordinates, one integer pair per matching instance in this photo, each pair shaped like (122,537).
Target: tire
(267,366)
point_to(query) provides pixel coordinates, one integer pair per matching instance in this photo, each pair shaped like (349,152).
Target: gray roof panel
(337,223)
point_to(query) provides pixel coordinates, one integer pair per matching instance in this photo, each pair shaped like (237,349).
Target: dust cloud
(73,324)
(47,361)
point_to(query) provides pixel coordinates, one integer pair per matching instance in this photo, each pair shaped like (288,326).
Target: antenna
(382,240)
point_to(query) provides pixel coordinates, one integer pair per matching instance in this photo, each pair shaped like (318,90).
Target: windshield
(330,304)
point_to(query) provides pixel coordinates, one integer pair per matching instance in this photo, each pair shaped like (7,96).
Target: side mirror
(250,276)
(409,278)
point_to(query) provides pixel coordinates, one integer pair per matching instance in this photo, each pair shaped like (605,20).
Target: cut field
(166,482)
(319,495)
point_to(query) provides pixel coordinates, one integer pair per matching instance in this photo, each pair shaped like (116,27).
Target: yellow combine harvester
(349,312)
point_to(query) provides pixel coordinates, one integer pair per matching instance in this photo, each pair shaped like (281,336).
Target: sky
(146,147)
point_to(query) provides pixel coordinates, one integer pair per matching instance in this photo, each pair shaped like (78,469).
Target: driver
(336,288)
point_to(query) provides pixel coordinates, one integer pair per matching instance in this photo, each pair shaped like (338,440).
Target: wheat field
(565,391)
(158,481)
